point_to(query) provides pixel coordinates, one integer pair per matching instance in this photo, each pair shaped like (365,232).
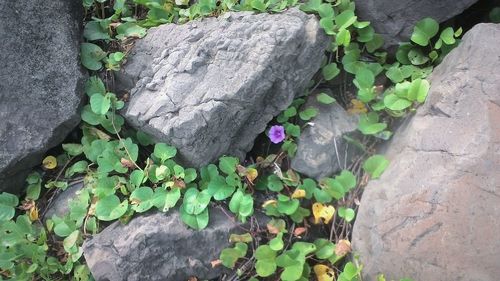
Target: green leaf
(258,5)
(100,104)
(343,38)
(424,30)
(418,90)
(324,249)
(346,213)
(73,149)
(345,19)
(292,129)
(325,99)
(219,188)
(375,165)
(376,43)
(325,10)
(365,34)
(90,117)
(241,204)
(230,256)
(286,205)
(369,125)
(393,102)
(165,200)
(417,57)
(276,244)
(164,151)
(266,261)
(198,221)
(330,71)
(228,164)
(91,56)
(274,183)
(328,25)
(95,31)
(347,179)
(190,175)
(70,241)
(308,113)
(448,36)
(130,29)
(195,202)
(94,85)
(77,168)
(110,208)
(142,199)
(136,178)
(364,78)
(7,204)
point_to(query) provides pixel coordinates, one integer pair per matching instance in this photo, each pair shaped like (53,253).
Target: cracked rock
(209,87)
(41,82)
(434,215)
(159,247)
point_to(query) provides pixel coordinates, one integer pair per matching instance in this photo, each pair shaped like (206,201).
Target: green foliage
(120,181)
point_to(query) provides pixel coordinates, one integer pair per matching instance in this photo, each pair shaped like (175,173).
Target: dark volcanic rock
(159,246)
(209,87)
(395,19)
(434,214)
(40,82)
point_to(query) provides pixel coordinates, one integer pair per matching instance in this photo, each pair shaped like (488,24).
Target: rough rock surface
(319,143)
(395,19)
(60,205)
(40,82)
(434,214)
(210,87)
(158,246)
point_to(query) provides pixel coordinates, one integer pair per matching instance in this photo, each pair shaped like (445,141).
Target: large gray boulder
(209,87)
(159,247)
(40,82)
(395,19)
(322,149)
(434,214)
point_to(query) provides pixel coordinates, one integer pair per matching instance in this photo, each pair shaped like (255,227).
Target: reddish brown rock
(435,213)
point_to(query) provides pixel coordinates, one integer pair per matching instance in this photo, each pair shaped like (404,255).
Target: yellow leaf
(357,107)
(33,213)
(269,202)
(252,174)
(245,238)
(299,193)
(324,212)
(49,162)
(324,273)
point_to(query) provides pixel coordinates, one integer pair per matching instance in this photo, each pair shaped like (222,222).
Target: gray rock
(320,141)
(159,246)
(60,204)
(210,87)
(395,19)
(40,82)
(434,215)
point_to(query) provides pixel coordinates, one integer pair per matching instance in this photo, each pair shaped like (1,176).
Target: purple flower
(277,134)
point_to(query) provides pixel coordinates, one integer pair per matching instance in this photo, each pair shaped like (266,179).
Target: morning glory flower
(277,134)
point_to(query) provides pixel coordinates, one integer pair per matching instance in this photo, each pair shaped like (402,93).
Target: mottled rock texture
(158,247)
(40,82)
(395,19)
(434,214)
(210,87)
(322,150)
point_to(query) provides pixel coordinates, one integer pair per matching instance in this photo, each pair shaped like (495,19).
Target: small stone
(320,141)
